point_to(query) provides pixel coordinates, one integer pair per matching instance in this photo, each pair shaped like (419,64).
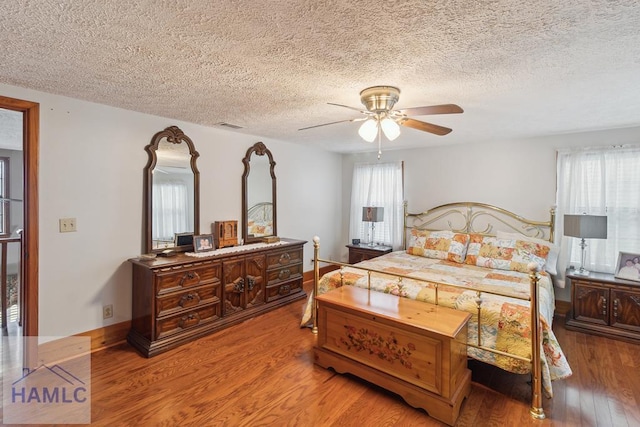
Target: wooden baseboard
(62,349)
(108,336)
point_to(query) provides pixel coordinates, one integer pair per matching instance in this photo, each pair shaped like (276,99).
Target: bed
(260,219)
(481,259)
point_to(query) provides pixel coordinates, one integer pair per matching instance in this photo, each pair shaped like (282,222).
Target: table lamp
(372,214)
(585,227)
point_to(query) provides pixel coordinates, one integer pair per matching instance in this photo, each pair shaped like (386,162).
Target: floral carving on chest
(384,347)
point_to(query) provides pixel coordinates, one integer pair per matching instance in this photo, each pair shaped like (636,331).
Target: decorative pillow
(551,266)
(505,254)
(438,244)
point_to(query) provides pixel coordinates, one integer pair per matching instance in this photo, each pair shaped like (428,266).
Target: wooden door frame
(30,146)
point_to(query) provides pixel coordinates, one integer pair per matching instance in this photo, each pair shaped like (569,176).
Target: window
(601,181)
(379,185)
(170,199)
(4,196)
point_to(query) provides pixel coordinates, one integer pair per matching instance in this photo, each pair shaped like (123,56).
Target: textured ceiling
(518,68)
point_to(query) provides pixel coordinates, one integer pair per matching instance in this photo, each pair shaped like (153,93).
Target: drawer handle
(285,258)
(284,290)
(251,282)
(238,286)
(189,299)
(615,307)
(284,274)
(603,305)
(189,320)
(190,275)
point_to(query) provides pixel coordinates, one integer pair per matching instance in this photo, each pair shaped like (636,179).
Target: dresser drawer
(179,301)
(282,258)
(187,276)
(284,274)
(174,324)
(284,289)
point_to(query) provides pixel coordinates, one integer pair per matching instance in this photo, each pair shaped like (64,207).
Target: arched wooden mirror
(172,192)
(258,194)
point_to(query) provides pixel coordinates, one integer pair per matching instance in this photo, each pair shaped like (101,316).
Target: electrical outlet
(67,225)
(107,311)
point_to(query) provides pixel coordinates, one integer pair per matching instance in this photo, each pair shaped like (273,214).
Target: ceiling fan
(380,117)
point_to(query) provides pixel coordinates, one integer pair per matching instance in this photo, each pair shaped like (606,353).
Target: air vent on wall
(228,125)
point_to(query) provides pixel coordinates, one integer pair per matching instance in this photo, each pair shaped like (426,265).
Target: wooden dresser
(604,305)
(178,299)
(415,349)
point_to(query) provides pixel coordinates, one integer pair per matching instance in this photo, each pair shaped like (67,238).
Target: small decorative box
(225,233)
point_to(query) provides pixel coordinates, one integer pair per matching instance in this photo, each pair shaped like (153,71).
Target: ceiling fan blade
(433,109)
(424,126)
(333,123)
(351,108)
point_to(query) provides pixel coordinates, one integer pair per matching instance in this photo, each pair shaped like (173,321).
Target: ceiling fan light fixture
(390,128)
(368,130)
(380,117)
(379,98)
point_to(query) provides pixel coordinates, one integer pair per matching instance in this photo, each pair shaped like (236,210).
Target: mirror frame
(174,135)
(259,149)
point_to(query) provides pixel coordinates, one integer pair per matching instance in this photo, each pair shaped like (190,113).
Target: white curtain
(600,181)
(170,202)
(379,185)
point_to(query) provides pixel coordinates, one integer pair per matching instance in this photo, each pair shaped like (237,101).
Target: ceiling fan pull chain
(379,142)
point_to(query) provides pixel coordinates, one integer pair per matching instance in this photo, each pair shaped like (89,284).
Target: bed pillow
(505,254)
(438,244)
(551,266)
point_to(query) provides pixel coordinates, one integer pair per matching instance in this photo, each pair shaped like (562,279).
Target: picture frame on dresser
(183,239)
(203,243)
(628,266)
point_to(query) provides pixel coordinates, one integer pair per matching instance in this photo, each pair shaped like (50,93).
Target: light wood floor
(261,372)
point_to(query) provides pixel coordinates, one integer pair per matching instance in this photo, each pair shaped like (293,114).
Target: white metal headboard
(472,217)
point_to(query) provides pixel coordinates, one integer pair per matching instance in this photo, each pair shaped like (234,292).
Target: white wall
(516,175)
(91,168)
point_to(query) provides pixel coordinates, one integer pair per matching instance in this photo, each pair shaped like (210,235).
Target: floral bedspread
(260,228)
(505,320)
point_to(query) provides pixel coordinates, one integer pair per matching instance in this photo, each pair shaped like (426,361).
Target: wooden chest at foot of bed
(415,349)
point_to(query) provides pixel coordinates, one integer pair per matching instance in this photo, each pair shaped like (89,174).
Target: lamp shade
(369,130)
(586,226)
(390,128)
(372,214)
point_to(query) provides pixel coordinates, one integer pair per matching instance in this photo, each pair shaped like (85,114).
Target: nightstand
(601,304)
(363,252)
